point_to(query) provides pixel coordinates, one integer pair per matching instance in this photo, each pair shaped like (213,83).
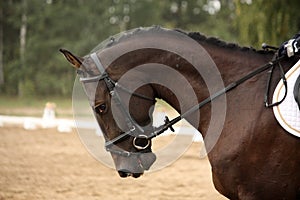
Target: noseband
(140,141)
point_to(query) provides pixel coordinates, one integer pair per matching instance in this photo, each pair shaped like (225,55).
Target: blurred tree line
(32,31)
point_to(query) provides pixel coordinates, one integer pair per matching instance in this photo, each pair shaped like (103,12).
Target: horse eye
(101,108)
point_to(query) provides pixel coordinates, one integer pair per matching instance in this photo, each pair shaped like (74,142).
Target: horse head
(124,116)
(123,78)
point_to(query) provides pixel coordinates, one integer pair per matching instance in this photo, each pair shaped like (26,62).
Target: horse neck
(232,64)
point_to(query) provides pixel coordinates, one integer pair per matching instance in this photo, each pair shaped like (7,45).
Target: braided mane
(215,41)
(199,37)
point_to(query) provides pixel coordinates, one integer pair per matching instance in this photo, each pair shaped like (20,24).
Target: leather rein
(141,140)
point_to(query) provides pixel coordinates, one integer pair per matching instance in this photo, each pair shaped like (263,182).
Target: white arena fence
(66,125)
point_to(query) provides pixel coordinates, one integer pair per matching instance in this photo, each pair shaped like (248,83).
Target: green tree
(11,46)
(35,67)
(1,45)
(271,21)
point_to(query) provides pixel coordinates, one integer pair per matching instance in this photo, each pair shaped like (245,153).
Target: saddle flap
(297,91)
(288,113)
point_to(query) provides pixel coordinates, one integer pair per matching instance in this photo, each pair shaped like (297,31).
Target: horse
(252,158)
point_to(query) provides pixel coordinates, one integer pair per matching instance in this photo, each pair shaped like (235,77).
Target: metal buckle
(138,146)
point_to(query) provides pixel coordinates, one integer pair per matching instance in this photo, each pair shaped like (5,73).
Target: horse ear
(74,60)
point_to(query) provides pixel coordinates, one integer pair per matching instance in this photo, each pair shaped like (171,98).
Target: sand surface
(45,164)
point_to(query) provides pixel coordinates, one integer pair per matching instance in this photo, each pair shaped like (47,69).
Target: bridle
(141,140)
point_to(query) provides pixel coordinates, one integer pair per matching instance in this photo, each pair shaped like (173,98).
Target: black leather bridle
(141,140)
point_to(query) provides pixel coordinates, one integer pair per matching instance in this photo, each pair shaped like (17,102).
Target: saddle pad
(287,113)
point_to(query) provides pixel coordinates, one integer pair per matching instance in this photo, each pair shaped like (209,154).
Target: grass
(32,106)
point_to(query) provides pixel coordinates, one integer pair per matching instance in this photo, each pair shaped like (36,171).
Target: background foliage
(32,31)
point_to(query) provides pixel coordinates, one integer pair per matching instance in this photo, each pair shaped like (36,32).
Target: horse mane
(199,37)
(215,41)
(220,43)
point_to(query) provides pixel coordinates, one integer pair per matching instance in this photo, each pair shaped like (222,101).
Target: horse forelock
(88,68)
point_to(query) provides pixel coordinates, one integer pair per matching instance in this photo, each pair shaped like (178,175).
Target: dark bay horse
(253,157)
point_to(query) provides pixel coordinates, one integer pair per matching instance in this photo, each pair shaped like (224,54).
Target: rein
(141,141)
(275,62)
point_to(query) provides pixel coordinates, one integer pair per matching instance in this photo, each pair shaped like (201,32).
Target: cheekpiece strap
(98,63)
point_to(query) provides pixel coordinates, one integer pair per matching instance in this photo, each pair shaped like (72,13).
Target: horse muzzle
(135,165)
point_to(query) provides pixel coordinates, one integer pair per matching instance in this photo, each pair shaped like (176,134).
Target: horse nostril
(136,175)
(124,173)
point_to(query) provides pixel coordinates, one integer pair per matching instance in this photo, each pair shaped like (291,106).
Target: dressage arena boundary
(66,125)
(32,123)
